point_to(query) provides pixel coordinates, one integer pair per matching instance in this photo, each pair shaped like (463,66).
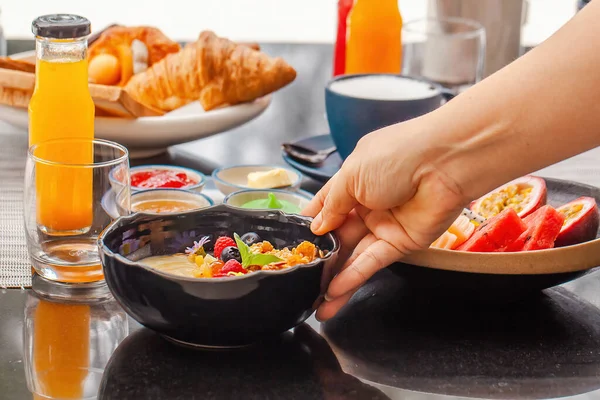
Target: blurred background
(258,20)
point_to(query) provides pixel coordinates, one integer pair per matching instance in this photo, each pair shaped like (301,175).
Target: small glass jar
(61,106)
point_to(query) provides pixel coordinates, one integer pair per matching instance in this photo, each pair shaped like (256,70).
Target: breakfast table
(388,343)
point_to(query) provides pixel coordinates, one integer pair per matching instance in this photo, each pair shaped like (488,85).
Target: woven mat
(15,269)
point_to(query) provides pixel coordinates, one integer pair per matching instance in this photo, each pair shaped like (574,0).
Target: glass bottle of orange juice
(61,107)
(374,43)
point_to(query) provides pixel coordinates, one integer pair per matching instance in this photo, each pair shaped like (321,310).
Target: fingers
(337,204)
(316,204)
(332,204)
(329,308)
(365,242)
(350,234)
(377,255)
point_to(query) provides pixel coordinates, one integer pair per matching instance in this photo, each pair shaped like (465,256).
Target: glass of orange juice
(55,190)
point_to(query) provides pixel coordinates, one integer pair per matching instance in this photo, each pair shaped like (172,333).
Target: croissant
(213,70)
(111,56)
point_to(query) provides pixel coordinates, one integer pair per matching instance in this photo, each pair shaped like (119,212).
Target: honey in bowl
(165,206)
(168,201)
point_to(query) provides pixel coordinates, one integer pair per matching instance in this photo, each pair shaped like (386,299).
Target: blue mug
(359,104)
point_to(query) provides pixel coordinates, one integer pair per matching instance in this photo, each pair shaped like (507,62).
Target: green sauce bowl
(299,199)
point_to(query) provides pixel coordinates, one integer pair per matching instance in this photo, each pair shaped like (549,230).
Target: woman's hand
(404,184)
(387,200)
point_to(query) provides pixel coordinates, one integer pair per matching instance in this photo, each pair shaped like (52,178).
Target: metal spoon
(304,154)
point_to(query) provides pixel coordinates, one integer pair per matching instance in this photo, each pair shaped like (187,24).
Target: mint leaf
(249,258)
(245,253)
(263,259)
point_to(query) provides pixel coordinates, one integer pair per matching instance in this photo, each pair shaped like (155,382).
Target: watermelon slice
(496,233)
(543,226)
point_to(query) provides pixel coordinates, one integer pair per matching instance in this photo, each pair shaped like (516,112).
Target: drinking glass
(66,345)
(68,204)
(449,51)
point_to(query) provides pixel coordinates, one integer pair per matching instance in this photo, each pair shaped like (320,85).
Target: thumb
(338,203)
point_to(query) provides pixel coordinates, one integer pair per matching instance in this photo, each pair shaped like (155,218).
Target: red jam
(161,178)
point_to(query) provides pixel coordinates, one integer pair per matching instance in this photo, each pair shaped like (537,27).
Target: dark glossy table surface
(387,344)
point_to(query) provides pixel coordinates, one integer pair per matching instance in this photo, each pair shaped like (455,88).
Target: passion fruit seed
(508,197)
(570,212)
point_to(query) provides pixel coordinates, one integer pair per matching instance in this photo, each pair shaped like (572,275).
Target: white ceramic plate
(147,136)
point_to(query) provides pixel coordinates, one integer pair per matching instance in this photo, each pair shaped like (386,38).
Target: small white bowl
(199,199)
(235,178)
(117,184)
(300,198)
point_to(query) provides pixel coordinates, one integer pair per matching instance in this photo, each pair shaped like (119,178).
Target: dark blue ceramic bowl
(224,312)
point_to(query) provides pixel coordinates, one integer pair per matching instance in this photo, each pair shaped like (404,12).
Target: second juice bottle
(374,43)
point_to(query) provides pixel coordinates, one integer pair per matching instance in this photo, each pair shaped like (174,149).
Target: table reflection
(299,364)
(545,346)
(66,345)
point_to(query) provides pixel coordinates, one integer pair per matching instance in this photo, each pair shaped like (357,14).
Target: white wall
(260,20)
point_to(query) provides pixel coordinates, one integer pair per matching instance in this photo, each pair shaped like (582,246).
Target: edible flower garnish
(198,247)
(249,258)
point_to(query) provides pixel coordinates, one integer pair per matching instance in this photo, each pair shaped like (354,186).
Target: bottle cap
(61,26)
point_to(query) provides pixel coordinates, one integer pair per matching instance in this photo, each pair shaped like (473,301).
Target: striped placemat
(15,269)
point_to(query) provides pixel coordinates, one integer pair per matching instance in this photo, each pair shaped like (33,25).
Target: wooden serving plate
(487,273)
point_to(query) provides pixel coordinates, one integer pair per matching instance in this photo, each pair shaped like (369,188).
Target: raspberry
(221,243)
(233,266)
(230,266)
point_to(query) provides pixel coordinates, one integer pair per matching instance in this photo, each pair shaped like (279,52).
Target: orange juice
(61,355)
(374,42)
(61,108)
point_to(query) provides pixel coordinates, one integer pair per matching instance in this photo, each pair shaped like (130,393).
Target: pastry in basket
(120,52)
(213,70)
(16,90)
(14,97)
(17,65)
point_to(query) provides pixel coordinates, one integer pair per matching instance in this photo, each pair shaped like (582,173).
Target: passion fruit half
(524,195)
(581,222)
